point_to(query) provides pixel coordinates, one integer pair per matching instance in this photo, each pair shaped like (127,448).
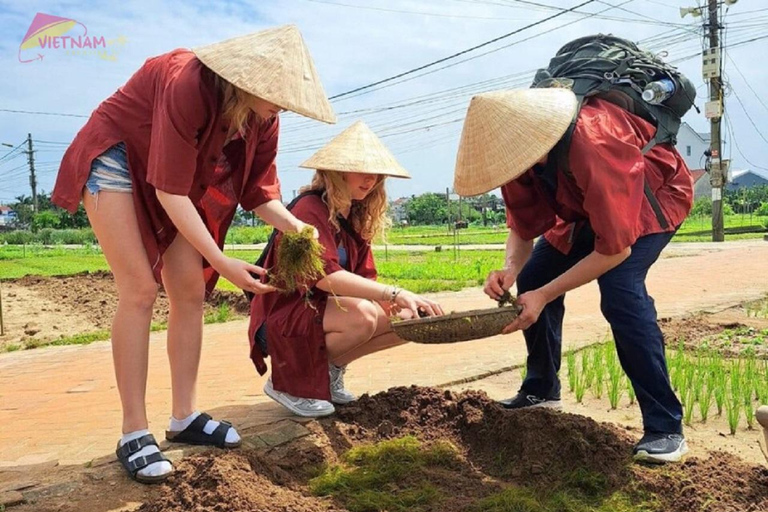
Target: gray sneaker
(523,400)
(306,407)
(339,395)
(658,448)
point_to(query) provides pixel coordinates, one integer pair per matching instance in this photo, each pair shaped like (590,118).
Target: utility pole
(712,70)
(32,180)
(717,173)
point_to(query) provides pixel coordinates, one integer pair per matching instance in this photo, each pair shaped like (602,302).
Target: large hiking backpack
(615,70)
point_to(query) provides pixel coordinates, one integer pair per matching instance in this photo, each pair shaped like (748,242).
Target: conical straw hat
(356,149)
(506,132)
(273,64)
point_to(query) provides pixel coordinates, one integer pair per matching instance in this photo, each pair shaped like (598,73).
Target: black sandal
(194,433)
(134,466)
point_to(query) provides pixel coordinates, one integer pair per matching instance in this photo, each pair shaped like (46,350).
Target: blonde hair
(235,105)
(368,217)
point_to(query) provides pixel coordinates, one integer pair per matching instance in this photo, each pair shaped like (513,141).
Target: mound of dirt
(539,449)
(529,446)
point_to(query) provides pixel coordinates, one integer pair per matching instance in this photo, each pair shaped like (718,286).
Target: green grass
(521,499)
(389,475)
(419,272)
(394,476)
(220,315)
(72,262)
(694,229)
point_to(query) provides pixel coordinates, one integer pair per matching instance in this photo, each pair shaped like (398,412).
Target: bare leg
(183,281)
(361,330)
(113,219)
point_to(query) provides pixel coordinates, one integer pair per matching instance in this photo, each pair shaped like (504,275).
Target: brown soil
(38,309)
(721,483)
(730,332)
(233,481)
(539,449)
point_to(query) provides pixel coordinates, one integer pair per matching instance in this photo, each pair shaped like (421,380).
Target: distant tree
(429,208)
(46,219)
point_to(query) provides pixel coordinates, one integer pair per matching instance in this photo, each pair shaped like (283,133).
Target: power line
(11,151)
(463,52)
(41,113)
(50,142)
(420,13)
(729,124)
(746,81)
(746,112)
(14,157)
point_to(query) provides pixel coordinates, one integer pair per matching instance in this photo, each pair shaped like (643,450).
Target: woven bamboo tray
(455,327)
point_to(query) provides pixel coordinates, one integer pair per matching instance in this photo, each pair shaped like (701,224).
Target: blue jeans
(109,171)
(630,311)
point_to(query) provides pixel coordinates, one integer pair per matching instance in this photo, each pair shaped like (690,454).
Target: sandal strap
(219,436)
(139,463)
(135,445)
(199,423)
(195,433)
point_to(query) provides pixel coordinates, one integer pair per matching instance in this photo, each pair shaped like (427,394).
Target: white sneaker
(339,395)
(306,407)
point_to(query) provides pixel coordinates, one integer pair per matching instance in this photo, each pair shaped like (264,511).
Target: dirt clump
(232,481)
(721,483)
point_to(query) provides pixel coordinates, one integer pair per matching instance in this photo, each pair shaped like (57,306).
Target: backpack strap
(649,193)
(559,161)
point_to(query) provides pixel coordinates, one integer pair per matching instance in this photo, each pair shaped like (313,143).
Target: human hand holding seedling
(498,282)
(300,226)
(406,300)
(533,303)
(241,274)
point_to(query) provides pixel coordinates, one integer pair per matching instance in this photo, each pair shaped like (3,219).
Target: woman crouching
(312,339)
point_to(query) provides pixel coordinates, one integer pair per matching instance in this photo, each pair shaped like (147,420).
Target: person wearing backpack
(596,222)
(313,333)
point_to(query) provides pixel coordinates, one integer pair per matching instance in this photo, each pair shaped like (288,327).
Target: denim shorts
(109,171)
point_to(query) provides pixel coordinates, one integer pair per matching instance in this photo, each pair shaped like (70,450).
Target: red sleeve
(609,168)
(367,267)
(528,214)
(263,185)
(311,210)
(179,112)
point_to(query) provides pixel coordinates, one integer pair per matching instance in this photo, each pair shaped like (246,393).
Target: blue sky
(356,42)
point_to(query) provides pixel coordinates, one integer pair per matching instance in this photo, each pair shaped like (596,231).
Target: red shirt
(609,170)
(169,116)
(295,335)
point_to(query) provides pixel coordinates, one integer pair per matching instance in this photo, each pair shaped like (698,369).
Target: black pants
(629,310)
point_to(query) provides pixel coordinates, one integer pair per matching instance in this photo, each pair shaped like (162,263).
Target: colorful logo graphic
(49,35)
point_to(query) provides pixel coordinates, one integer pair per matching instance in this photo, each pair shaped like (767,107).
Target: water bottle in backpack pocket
(657,92)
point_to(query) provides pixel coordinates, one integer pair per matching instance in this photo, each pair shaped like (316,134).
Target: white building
(397,210)
(691,146)
(7,216)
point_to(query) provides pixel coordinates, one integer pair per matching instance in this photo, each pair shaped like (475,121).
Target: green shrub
(19,237)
